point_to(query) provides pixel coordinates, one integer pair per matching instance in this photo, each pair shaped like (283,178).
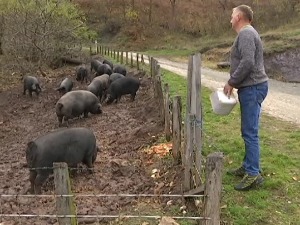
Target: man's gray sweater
(247,62)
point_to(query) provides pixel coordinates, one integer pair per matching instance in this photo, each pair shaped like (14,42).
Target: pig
(31,84)
(104,69)
(120,69)
(82,73)
(114,77)
(69,145)
(65,86)
(99,86)
(75,103)
(105,61)
(94,64)
(123,86)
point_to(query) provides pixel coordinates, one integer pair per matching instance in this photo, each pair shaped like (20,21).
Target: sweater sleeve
(246,48)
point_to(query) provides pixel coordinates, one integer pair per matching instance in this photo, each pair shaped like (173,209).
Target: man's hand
(227,90)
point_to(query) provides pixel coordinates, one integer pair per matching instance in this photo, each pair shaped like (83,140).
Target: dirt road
(283,100)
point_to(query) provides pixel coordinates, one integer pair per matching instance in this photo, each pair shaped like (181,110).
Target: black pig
(65,86)
(75,103)
(70,145)
(123,86)
(32,85)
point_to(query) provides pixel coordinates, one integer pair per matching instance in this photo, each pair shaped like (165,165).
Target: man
(248,76)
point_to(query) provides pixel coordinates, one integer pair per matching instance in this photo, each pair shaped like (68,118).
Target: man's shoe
(240,172)
(249,182)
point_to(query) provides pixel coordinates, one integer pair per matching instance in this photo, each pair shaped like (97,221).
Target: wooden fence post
(118,56)
(159,93)
(142,59)
(196,109)
(114,54)
(137,61)
(176,129)
(64,205)
(131,60)
(96,46)
(167,112)
(122,57)
(151,61)
(188,155)
(126,58)
(193,135)
(213,188)
(91,53)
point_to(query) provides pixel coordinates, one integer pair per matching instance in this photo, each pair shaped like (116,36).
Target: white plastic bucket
(221,104)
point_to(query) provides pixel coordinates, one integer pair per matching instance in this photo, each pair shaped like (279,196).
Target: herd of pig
(75,145)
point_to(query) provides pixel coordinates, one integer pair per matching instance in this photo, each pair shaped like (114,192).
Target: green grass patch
(278,201)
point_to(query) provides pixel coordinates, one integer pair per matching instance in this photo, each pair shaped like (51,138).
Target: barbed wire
(100,195)
(105,216)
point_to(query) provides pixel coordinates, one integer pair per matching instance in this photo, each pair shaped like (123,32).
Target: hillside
(179,29)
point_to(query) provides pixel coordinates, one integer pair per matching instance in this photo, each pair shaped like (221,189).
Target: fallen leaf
(154,170)
(169,202)
(295,178)
(161,149)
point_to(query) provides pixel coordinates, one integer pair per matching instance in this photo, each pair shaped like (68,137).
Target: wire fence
(100,208)
(41,209)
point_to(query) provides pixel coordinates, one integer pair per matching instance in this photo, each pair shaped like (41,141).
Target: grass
(278,202)
(216,49)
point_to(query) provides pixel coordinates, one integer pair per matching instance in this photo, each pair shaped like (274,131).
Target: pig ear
(31,144)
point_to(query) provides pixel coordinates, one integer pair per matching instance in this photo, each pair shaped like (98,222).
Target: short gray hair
(246,11)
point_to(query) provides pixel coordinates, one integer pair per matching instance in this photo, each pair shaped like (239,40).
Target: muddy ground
(122,131)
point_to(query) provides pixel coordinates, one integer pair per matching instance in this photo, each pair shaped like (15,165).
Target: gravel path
(283,100)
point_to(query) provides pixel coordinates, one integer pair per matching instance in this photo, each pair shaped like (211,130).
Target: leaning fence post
(188,154)
(65,206)
(213,188)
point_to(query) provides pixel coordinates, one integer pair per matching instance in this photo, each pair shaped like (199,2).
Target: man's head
(241,15)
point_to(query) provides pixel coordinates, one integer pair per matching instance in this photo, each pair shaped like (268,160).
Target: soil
(122,132)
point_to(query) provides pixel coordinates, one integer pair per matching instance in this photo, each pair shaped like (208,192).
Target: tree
(41,31)
(150,12)
(173,14)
